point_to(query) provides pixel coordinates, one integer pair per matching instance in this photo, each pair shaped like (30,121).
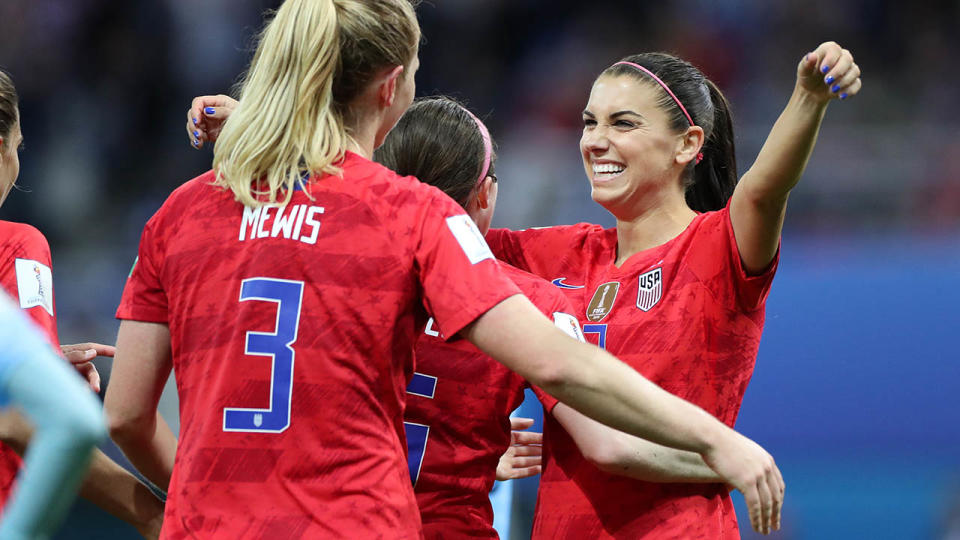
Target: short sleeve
(27,276)
(549,252)
(144,298)
(715,258)
(752,290)
(461,279)
(507,247)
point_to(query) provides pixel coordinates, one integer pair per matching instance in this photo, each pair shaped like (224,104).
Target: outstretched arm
(515,333)
(759,202)
(615,452)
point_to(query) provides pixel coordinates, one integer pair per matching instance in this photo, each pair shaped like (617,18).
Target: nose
(595,140)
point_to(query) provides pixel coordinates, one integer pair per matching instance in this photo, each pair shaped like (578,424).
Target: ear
(484,195)
(689,145)
(388,86)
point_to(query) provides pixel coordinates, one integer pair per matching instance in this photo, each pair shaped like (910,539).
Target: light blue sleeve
(68,422)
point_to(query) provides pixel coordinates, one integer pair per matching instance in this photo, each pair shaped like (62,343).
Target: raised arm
(759,202)
(592,381)
(140,370)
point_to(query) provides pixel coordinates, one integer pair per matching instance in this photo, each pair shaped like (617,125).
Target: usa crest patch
(650,287)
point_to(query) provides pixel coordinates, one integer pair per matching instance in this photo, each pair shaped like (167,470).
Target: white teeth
(607,168)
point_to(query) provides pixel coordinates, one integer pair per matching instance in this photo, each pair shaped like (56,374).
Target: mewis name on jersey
(298,222)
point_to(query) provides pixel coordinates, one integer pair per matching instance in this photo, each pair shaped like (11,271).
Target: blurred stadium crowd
(104,87)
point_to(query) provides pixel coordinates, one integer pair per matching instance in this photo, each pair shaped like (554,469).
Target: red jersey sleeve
(545,251)
(26,275)
(748,291)
(143,296)
(461,279)
(507,247)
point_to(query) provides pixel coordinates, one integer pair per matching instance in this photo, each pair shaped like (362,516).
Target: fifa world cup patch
(650,289)
(34,284)
(602,301)
(469,238)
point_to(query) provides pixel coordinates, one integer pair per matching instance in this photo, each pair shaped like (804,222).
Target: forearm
(785,153)
(607,390)
(651,462)
(150,447)
(588,378)
(121,494)
(617,453)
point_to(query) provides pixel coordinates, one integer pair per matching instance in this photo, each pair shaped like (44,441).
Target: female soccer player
(678,288)
(296,225)
(460,399)
(25,274)
(68,420)
(457,415)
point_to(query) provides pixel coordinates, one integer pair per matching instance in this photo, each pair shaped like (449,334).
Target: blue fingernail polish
(835,88)
(829,79)
(196,134)
(209,110)
(194,143)
(825,69)
(194,121)
(843,95)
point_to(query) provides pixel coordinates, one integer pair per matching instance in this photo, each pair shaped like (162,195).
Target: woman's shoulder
(577,233)
(12,232)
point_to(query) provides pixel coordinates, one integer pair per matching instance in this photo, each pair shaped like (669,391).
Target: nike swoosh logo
(559,282)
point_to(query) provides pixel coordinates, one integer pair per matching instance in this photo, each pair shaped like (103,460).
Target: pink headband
(667,89)
(487,145)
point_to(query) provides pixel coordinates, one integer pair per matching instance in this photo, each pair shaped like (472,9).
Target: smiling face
(629,151)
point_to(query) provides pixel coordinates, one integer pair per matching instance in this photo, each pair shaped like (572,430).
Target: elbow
(126,429)
(552,377)
(606,456)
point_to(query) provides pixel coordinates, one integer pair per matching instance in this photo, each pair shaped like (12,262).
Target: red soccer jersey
(292,331)
(684,314)
(25,275)
(457,421)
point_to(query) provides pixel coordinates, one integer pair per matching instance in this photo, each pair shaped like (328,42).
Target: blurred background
(857,383)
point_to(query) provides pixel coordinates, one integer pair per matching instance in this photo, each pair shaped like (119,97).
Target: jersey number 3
(288,295)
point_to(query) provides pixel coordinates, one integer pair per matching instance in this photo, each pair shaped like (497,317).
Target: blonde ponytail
(313,58)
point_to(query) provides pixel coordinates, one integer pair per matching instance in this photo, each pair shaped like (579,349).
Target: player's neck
(361,142)
(650,229)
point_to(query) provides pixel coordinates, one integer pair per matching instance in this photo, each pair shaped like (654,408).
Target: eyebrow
(616,114)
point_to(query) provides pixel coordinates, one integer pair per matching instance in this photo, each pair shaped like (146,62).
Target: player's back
(292,332)
(458,420)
